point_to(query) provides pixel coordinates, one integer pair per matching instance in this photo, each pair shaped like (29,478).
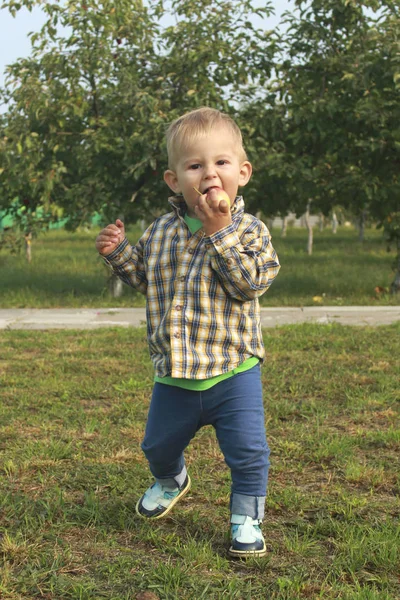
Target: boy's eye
(222,162)
(195,166)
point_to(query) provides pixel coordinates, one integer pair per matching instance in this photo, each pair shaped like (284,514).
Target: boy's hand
(215,214)
(110,238)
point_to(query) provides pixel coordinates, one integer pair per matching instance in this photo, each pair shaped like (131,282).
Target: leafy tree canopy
(318,105)
(87,112)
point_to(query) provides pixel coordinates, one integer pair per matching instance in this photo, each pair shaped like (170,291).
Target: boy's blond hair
(195,123)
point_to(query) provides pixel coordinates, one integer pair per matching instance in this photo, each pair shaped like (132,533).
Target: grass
(67,272)
(73,408)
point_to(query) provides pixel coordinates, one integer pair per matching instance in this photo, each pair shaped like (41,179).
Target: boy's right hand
(110,238)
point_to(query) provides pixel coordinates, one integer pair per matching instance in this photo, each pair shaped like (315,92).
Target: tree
(87,113)
(330,131)
(77,119)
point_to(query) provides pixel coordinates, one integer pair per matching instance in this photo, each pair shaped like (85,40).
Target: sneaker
(158,500)
(247,539)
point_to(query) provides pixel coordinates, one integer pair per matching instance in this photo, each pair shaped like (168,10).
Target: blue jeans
(235,409)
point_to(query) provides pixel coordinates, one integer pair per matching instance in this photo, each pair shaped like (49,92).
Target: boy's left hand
(215,214)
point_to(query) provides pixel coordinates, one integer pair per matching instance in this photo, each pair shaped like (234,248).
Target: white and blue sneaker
(159,499)
(247,538)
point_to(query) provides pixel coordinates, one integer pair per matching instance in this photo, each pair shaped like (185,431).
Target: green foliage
(76,131)
(318,105)
(87,113)
(331,131)
(327,126)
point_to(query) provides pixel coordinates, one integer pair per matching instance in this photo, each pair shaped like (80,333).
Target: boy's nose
(210,172)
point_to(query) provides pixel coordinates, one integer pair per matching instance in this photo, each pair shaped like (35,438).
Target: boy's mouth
(212,187)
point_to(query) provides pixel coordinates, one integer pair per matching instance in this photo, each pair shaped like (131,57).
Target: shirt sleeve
(244,261)
(127,262)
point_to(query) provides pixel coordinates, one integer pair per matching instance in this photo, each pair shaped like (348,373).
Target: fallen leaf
(379,290)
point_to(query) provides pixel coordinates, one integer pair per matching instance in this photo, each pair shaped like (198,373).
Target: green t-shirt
(193,223)
(204,384)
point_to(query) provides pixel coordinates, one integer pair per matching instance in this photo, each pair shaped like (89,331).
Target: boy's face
(212,160)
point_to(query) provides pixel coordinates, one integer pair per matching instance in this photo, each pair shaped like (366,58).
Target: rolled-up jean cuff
(172,482)
(252,506)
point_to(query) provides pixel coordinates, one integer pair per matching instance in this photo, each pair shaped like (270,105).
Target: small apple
(219,194)
(216,193)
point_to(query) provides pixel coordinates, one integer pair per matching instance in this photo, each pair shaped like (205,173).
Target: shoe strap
(242,519)
(157,495)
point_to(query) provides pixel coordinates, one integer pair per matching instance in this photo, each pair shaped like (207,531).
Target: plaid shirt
(203,315)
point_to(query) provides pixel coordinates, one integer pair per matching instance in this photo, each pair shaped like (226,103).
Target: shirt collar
(179,205)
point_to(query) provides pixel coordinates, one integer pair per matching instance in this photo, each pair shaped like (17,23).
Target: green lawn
(73,407)
(67,272)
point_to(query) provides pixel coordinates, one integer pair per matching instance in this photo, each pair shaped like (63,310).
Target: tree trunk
(115,286)
(395,287)
(284,227)
(28,247)
(262,218)
(321,222)
(309,229)
(361,231)
(334,222)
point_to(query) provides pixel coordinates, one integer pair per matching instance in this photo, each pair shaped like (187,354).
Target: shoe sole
(170,507)
(247,553)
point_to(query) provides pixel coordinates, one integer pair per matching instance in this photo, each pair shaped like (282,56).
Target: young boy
(202,268)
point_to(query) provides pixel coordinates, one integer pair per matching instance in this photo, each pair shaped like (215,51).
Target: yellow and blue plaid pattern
(203,315)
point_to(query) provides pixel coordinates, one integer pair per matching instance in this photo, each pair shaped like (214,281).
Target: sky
(14,41)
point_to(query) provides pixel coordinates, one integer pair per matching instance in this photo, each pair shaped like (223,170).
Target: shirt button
(177,335)
(229,261)
(182,278)
(191,251)
(178,307)
(218,242)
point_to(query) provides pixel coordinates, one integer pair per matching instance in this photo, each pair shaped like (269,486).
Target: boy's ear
(171,180)
(245,172)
